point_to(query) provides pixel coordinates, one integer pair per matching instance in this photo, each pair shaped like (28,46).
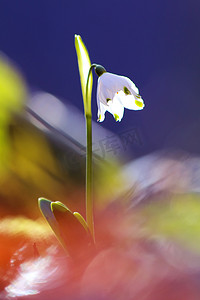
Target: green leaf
(77,239)
(45,208)
(81,220)
(84,65)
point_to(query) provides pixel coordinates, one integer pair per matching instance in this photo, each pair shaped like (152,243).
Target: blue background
(154,42)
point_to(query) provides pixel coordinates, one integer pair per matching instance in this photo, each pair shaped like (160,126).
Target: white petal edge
(101,112)
(117,82)
(116,108)
(129,101)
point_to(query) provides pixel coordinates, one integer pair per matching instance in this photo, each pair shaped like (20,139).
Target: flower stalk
(85,71)
(89,168)
(89,198)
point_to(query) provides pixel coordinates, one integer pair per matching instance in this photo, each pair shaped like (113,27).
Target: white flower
(115,92)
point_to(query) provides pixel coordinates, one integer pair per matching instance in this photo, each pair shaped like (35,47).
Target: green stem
(88,103)
(89,200)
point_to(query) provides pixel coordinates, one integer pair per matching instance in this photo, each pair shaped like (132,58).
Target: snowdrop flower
(114,93)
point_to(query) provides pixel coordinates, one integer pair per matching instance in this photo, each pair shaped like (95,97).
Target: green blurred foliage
(13,91)
(13,94)
(176,218)
(28,166)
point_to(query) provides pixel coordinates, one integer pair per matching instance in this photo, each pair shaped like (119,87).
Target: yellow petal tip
(139,103)
(116,117)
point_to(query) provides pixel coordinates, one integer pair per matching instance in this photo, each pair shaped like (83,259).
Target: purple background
(156,43)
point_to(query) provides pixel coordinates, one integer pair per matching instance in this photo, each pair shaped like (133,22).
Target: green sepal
(84,65)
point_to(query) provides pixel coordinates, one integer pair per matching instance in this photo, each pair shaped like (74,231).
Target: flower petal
(101,112)
(116,82)
(130,101)
(115,92)
(104,92)
(116,108)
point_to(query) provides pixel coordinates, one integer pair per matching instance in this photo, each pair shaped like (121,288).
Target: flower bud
(99,70)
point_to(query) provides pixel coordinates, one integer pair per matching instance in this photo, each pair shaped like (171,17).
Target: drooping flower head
(114,93)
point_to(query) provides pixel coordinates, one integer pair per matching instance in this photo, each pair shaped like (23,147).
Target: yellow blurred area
(32,170)
(33,160)
(109,183)
(22,226)
(176,218)
(13,94)
(12,88)
(29,167)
